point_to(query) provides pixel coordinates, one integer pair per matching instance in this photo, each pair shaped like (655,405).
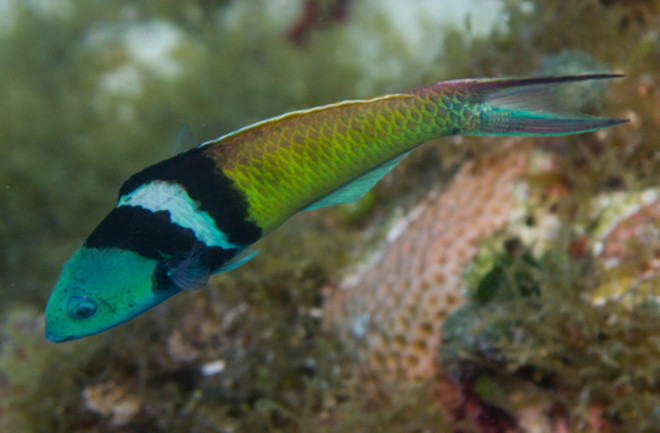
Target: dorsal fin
(184,140)
(359,186)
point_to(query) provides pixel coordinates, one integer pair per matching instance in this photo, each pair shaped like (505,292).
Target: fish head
(100,288)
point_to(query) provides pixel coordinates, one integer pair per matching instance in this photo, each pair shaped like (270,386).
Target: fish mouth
(57,338)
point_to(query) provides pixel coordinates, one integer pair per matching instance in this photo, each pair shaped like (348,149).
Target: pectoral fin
(359,186)
(188,272)
(237,261)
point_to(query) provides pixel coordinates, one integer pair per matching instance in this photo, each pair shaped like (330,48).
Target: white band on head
(171,197)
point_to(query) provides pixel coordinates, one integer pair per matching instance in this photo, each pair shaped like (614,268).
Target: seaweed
(582,357)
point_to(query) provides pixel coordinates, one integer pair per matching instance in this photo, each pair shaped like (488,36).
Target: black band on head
(150,234)
(215,193)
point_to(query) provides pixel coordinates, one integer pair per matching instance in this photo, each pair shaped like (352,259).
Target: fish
(197,214)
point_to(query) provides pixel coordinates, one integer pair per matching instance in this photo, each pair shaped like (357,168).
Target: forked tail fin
(524,106)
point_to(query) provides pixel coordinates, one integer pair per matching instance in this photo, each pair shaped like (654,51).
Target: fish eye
(81,307)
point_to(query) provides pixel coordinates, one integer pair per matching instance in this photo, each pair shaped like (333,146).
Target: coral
(627,245)
(627,224)
(389,314)
(110,400)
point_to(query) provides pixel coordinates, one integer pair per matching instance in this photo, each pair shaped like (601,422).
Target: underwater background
(485,285)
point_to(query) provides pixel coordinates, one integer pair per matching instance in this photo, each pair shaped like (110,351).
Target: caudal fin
(524,106)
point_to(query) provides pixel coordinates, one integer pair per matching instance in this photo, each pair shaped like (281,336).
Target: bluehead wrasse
(196,214)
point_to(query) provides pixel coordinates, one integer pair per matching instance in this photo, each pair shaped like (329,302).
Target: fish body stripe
(210,197)
(159,196)
(151,235)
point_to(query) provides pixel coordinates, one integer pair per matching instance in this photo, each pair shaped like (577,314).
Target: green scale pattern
(286,163)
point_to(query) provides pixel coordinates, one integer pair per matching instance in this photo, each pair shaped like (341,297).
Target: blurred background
(92,92)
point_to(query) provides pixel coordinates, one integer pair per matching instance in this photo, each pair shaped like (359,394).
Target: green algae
(574,353)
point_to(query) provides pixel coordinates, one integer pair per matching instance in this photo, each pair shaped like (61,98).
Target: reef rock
(389,313)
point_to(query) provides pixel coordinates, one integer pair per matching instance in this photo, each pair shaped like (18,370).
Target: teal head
(133,260)
(99,289)
(161,238)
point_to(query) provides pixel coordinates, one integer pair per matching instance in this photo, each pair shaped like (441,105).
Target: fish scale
(317,159)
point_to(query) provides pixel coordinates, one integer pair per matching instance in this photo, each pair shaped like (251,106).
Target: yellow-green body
(287,163)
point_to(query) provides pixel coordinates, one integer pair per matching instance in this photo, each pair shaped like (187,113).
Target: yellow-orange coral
(389,315)
(628,249)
